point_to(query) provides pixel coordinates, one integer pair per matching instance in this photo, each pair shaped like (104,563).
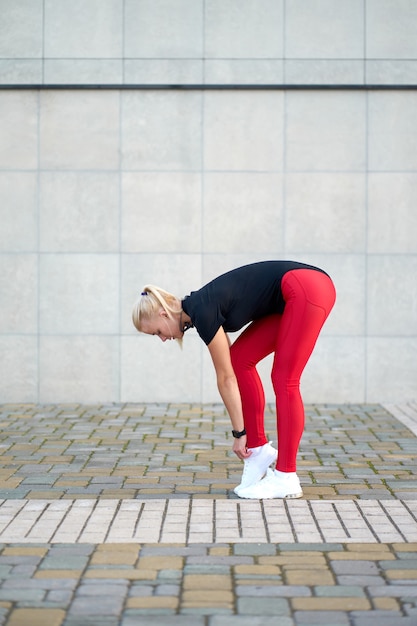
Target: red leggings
(309,297)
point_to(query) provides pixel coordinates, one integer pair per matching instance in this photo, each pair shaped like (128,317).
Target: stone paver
(129,584)
(184,451)
(124,515)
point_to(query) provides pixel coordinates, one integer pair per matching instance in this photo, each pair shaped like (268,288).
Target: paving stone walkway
(124,515)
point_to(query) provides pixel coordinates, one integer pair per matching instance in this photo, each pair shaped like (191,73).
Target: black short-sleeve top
(238,297)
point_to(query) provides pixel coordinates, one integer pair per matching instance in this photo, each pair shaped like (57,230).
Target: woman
(285,304)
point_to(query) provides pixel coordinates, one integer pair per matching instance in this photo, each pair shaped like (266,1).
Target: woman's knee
(284,382)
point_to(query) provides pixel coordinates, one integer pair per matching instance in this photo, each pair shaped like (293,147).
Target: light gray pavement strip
(208,521)
(406,413)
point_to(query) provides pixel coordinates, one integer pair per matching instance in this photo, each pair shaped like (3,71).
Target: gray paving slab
(122,515)
(184,451)
(119,584)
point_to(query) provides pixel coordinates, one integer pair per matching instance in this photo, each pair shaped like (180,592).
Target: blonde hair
(149,303)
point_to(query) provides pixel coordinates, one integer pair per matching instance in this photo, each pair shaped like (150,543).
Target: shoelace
(246,466)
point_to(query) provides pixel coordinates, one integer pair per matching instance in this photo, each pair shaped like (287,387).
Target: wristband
(238,434)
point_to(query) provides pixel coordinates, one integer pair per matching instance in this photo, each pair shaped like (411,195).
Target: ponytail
(150,301)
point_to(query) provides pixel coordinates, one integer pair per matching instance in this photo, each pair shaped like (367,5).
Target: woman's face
(162,326)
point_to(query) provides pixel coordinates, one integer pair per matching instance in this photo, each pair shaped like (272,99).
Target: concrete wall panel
(145,361)
(392,134)
(83,29)
(325,131)
(21,33)
(324,29)
(391,29)
(18,211)
(105,189)
(392,214)
(248,29)
(391,368)
(78,368)
(19,358)
(19,280)
(243,213)
(81,132)
(79,294)
(392,297)
(243,131)
(19,130)
(79,212)
(163,29)
(325,213)
(161,131)
(161,212)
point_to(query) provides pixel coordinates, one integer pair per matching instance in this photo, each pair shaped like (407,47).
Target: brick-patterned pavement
(124,515)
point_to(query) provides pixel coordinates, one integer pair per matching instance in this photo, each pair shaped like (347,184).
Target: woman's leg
(254,344)
(309,297)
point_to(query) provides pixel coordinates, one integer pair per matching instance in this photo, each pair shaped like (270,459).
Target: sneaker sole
(292,496)
(289,496)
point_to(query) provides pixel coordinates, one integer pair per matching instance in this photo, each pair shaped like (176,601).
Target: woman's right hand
(240,449)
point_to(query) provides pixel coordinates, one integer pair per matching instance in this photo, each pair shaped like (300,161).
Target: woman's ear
(163,313)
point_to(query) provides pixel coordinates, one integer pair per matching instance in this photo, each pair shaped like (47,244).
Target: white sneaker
(275,485)
(256,465)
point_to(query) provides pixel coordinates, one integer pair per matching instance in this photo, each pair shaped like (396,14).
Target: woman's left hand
(240,449)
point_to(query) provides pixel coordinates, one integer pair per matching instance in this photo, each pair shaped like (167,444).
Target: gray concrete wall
(102,190)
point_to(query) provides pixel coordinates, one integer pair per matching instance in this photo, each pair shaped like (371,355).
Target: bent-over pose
(285,304)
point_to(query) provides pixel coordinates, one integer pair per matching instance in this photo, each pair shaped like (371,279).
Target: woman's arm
(219,349)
